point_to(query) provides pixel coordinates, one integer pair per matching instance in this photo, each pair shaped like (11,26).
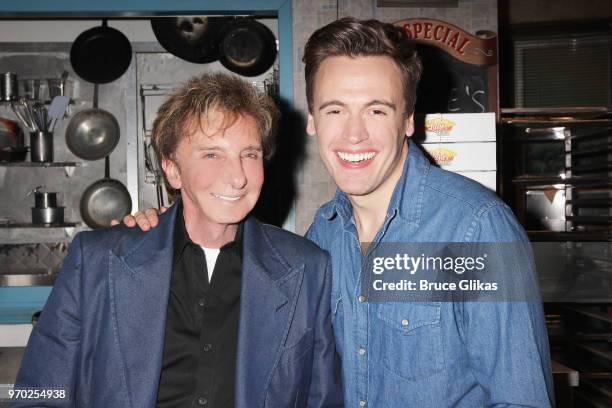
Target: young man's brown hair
(353,38)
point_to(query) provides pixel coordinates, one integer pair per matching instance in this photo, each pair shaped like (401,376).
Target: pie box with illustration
(460,157)
(455,127)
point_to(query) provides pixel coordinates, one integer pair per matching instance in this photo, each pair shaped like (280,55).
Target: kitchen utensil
(247,47)
(44,199)
(45,210)
(24,113)
(57,109)
(192,38)
(31,88)
(92,133)
(50,215)
(56,87)
(105,200)
(152,166)
(101,54)
(9,88)
(41,146)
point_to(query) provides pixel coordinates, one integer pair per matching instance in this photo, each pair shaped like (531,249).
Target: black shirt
(199,361)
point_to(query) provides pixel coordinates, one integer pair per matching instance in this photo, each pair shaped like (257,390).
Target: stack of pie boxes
(463,143)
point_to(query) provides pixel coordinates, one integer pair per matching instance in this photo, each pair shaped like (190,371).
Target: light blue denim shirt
(435,354)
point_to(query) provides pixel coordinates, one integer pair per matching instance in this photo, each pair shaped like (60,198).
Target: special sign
(480,49)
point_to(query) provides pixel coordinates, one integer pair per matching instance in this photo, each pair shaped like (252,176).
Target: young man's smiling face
(359,117)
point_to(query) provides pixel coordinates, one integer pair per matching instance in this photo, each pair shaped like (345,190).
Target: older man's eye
(209,156)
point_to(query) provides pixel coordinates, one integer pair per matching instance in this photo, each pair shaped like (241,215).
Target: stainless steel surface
(31,88)
(92,134)
(41,279)
(51,215)
(44,199)
(47,60)
(56,86)
(41,146)
(9,89)
(103,201)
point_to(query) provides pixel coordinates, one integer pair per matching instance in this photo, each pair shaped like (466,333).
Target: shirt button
(361,299)
(202,401)
(202,302)
(405,322)
(362,403)
(361,351)
(207,347)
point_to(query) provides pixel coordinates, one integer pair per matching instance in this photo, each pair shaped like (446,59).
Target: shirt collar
(181,236)
(407,197)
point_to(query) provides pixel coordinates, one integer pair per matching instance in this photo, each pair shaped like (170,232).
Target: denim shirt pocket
(408,340)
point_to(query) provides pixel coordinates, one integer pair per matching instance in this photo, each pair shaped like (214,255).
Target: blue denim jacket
(450,354)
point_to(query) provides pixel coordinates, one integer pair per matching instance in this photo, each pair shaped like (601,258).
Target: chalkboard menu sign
(459,69)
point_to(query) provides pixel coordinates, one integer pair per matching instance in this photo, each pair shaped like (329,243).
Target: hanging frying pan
(92,134)
(192,38)
(247,47)
(105,200)
(101,54)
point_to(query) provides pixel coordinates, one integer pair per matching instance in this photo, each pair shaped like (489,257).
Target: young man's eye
(378,112)
(333,112)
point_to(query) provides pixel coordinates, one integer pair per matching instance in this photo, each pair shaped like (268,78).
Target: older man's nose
(235,175)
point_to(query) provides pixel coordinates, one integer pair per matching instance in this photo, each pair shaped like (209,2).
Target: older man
(212,309)
(361,81)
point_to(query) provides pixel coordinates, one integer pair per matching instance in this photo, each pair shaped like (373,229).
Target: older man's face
(219,172)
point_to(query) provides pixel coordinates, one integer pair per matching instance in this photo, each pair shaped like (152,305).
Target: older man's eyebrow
(204,147)
(257,148)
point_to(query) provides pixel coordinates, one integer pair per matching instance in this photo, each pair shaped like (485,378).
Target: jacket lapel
(268,298)
(139,280)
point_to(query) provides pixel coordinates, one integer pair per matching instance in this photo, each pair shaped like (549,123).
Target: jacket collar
(270,289)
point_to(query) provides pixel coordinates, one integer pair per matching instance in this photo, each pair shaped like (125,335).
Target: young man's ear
(409,124)
(310,126)
(173,173)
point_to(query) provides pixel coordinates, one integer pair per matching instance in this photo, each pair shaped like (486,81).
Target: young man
(361,81)
(212,309)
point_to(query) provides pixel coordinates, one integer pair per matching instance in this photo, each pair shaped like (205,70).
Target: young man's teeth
(227,198)
(356,157)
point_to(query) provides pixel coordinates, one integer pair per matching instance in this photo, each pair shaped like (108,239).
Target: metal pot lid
(192,38)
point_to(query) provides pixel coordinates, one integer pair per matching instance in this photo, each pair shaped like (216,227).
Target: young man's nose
(356,131)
